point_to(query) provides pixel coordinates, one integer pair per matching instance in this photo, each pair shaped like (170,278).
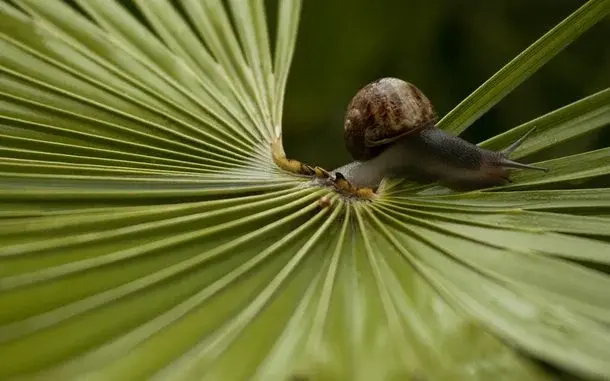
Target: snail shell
(383,112)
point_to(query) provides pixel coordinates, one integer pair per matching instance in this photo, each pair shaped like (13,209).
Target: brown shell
(382,112)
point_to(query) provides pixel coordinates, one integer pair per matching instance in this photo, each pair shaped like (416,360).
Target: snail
(390,130)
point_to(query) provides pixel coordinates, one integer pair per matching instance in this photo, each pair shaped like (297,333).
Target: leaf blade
(522,66)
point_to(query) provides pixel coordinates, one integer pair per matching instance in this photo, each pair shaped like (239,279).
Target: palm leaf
(146,232)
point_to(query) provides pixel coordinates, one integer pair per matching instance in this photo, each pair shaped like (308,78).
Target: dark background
(446,48)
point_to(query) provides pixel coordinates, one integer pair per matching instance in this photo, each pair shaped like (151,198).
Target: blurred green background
(446,48)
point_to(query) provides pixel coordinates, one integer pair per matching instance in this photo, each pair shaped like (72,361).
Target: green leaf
(515,311)
(523,66)
(569,168)
(145,232)
(582,117)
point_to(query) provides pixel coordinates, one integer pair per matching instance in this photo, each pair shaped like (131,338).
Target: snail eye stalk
(507,163)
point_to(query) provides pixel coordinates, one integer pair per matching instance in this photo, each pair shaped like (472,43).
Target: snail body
(390,129)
